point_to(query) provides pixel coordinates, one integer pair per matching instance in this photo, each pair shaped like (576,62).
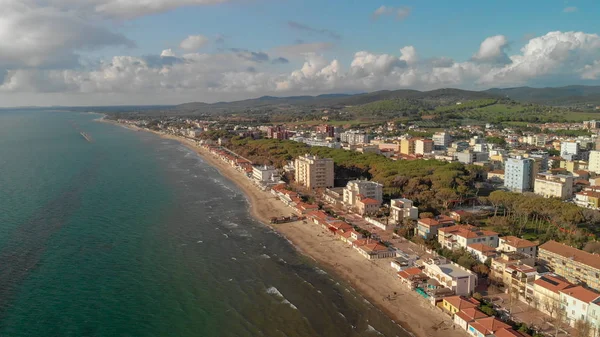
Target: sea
(130,234)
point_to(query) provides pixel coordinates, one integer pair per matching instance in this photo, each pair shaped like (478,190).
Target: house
(371,249)
(482,252)
(412,277)
(588,199)
(593,315)
(517,277)
(485,327)
(401,263)
(359,189)
(571,263)
(454,304)
(451,276)
(510,333)
(468,315)
(428,228)
(350,236)
(460,236)
(515,244)
(367,206)
(575,302)
(546,292)
(304,208)
(459,215)
(401,209)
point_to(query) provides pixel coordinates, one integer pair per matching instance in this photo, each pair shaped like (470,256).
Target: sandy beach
(374,280)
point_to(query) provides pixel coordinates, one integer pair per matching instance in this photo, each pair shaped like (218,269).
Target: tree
(592,247)
(558,315)
(582,328)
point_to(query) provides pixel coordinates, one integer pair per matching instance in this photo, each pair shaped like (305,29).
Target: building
(569,150)
(571,263)
(466,316)
(591,124)
(589,199)
(545,293)
(354,137)
(371,249)
(360,189)
(461,236)
(408,146)
(314,172)
(451,276)
(517,277)
(265,174)
(470,157)
(496,176)
(593,317)
(594,161)
(509,244)
(482,252)
(326,130)
(551,185)
(538,140)
(485,327)
(366,206)
(455,304)
(575,302)
(442,139)
(518,174)
(428,228)
(401,209)
(423,146)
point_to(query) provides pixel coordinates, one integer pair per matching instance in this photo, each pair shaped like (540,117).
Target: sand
(374,280)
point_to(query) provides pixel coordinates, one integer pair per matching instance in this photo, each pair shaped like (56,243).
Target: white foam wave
(320,271)
(276,292)
(373,330)
(265,256)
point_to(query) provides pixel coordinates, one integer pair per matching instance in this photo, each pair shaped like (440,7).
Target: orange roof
(461,303)
(470,314)
(497,172)
(572,253)
(466,231)
(553,283)
(583,294)
(318,215)
(483,248)
(517,242)
(444,219)
(489,325)
(429,222)
(374,247)
(369,201)
(406,273)
(510,333)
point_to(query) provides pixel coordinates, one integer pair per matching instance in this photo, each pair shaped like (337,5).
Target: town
(502,237)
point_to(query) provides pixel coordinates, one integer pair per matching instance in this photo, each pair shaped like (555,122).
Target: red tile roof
(470,314)
(467,231)
(574,254)
(517,242)
(583,294)
(369,201)
(406,273)
(553,283)
(489,325)
(510,333)
(429,222)
(461,303)
(483,248)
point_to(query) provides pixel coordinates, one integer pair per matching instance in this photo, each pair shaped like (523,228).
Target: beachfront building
(461,236)
(412,277)
(265,174)
(401,209)
(428,228)
(451,276)
(518,174)
(551,185)
(371,249)
(454,304)
(366,206)
(575,302)
(468,315)
(314,172)
(486,327)
(359,189)
(514,244)
(571,263)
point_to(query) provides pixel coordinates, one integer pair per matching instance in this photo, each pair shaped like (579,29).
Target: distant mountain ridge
(569,95)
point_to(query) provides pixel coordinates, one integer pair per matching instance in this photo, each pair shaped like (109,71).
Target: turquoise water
(134,235)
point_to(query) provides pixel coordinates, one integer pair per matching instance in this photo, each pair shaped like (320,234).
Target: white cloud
(492,49)
(400,13)
(302,49)
(167,53)
(570,9)
(193,42)
(409,55)
(128,9)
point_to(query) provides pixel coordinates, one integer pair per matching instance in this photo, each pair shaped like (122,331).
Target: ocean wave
(265,256)
(373,330)
(277,293)
(320,271)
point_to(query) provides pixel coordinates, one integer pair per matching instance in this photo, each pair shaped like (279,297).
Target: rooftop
(483,248)
(462,303)
(583,294)
(509,333)
(574,254)
(552,282)
(466,231)
(489,325)
(517,242)
(470,314)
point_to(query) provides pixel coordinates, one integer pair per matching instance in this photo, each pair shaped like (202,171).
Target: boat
(86,136)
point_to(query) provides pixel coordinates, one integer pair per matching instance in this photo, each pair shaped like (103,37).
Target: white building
(265,174)
(569,148)
(314,172)
(442,139)
(575,302)
(594,162)
(423,146)
(451,276)
(510,244)
(551,185)
(461,236)
(401,209)
(361,189)
(518,174)
(354,137)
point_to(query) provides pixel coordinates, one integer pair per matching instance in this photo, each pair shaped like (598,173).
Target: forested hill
(573,95)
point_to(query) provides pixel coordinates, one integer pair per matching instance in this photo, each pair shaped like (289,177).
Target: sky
(137,52)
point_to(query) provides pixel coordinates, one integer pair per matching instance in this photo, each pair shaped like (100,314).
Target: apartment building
(428,228)
(551,185)
(545,292)
(408,146)
(575,302)
(518,174)
(442,139)
(461,236)
(314,172)
(360,189)
(571,263)
(423,146)
(451,276)
(401,209)
(594,161)
(265,174)
(354,137)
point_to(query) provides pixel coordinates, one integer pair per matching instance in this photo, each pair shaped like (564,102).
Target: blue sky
(109,51)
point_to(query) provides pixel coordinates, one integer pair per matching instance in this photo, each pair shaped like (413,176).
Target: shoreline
(373,280)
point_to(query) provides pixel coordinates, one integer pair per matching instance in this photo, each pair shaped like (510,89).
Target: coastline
(375,280)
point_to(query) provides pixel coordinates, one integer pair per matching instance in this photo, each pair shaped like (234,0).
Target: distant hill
(560,96)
